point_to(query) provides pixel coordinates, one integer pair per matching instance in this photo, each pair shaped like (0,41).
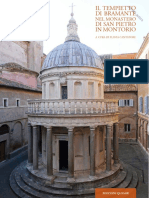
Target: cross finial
(72,9)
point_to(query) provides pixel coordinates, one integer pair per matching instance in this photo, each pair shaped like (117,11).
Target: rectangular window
(127,127)
(141,104)
(123,103)
(5,102)
(18,102)
(64,92)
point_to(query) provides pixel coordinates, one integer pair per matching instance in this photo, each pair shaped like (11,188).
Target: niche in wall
(77,90)
(51,90)
(90,90)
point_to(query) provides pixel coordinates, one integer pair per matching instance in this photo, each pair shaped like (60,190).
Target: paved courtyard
(129,153)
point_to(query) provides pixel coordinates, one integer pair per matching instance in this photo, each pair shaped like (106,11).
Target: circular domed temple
(70,129)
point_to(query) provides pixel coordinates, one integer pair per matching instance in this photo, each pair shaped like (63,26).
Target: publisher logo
(115,192)
(126,71)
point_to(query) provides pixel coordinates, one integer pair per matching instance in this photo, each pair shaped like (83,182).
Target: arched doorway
(4,129)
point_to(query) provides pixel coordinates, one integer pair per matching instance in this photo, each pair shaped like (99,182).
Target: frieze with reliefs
(75,121)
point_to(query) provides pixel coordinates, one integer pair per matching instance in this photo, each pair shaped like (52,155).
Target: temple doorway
(63,155)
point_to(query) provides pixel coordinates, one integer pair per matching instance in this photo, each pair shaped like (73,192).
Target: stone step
(59,190)
(135,180)
(120,178)
(128,178)
(16,189)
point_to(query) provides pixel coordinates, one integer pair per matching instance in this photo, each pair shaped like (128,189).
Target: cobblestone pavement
(129,153)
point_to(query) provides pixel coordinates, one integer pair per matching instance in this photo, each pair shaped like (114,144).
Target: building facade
(143,101)
(71,122)
(20,63)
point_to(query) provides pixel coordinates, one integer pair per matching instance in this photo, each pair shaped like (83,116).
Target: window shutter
(141,104)
(128,127)
(119,103)
(131,102)
(125,126)
(123,103)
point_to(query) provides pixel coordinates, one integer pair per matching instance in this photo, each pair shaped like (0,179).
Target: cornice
(14,67)
(63,74)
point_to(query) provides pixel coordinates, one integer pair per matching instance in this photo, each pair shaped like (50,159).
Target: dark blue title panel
(126,71)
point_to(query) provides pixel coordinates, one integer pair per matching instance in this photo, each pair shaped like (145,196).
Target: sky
(84,14)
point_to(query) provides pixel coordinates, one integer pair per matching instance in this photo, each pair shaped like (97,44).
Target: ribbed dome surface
(72,53)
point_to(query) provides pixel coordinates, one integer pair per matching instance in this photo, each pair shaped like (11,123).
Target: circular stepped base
(23,184)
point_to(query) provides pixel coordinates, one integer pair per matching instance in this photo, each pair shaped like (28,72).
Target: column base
(50,180)
(71,180)
(92,178)
(116,161)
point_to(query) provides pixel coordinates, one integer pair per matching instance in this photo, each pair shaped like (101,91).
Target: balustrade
(72,106)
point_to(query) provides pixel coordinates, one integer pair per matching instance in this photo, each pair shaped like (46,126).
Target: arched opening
(44,91)
(90,90)
(4,129)
(17,139)
(99,90)
(78,90)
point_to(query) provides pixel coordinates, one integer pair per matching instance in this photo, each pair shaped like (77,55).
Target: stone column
(92,151)
(35,148)
(116,143)
(49,152)
(108,147)
(30,144)
(70,154)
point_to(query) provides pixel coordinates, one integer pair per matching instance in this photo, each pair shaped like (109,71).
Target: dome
(72,52)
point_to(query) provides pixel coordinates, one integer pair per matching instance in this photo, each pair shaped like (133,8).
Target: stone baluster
(58,107)
(96,107)
(43,107)
(86,107)
(53,107)
(105,109)
(35,107)
(101,106)
(69,107)
(92,107)
(48,108)
(75,108)
(81,107)
(63,107)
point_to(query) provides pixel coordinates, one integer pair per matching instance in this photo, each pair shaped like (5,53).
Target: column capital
(92,128)
(116,123)
(48,127)
(109,125)
(29,124)
(34,126)
(70,129)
